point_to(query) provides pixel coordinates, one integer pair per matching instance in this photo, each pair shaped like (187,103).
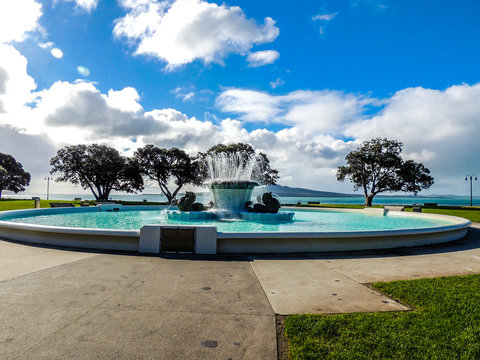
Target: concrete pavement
(63,304)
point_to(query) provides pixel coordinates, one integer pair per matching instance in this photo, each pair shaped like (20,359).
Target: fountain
(230,179)
(232,224)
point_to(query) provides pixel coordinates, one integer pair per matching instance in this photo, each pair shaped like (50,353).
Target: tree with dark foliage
(376,166)
(262,173)
(12,175)
(97,167)
(166,165)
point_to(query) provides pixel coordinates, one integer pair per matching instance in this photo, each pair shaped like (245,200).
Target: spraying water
(232,167)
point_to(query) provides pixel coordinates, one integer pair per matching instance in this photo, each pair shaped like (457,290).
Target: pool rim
(39,233)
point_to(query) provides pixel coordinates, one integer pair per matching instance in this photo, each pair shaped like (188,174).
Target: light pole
(48,185)
(471,178)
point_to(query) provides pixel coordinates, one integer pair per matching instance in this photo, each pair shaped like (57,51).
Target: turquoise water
(304,221)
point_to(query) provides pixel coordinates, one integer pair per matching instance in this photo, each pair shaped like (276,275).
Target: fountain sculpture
(230,181)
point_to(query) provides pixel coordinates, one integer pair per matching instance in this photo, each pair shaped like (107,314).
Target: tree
(12,175)
(376,166)
(165,165)
(262,172)
(97,167)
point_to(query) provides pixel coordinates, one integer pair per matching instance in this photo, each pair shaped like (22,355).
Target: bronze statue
(270,205)
(187,202)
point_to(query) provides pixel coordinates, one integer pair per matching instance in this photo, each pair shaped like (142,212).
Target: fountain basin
(35,226)
(231,195)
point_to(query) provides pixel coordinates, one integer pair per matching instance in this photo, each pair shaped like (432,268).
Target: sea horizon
(203,197)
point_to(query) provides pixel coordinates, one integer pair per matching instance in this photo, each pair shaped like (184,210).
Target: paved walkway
(62,304)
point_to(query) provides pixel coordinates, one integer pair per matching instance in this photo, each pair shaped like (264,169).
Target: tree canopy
(262,172)
(12,175)
(377,166)
(96,167)
(167,165)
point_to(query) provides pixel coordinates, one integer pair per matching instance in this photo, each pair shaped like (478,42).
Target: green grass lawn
(470,213)
(444,325)
(11,204)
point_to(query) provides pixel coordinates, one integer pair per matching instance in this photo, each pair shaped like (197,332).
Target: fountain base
(220,214)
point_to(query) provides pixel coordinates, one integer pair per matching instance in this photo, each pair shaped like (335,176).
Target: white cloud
(250,105)
(16,85)
(260,58)
(183,93)
(182,31)
(324,17)
(87,5)
(125,100)
(316,110)
(278,82)
(17,18)
(438,127)
(47,45)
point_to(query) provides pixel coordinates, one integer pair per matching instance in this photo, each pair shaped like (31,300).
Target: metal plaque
(178,240)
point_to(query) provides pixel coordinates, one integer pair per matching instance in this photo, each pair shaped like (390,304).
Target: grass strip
(444,325)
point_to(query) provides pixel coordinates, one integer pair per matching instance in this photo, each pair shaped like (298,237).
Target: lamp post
(471,178)
(48,185)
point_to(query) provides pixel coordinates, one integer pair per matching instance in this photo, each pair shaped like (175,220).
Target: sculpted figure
(270,205)
(187,203)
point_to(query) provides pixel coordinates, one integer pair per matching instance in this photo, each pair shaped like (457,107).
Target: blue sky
(306,82)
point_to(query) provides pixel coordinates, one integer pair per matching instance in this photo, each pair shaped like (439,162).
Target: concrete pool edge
(229,243)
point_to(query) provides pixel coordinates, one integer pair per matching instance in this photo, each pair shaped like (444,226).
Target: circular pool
(312,230)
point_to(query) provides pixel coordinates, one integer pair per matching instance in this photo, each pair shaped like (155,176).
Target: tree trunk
(104,197)
(368,200)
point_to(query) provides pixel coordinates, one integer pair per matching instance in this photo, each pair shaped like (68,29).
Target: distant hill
(287,191)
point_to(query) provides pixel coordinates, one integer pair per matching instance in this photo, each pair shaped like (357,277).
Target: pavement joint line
(367,286)
(261,286)
(188,312)
(274,314)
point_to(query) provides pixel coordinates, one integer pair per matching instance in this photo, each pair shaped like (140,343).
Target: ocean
(353,200)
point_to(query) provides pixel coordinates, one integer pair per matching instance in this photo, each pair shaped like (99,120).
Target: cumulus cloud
(260,58)
(438,127)
(182,31)
(16,85)
(316,110)
(17,18)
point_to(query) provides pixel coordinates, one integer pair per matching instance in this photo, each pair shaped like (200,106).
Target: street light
(471,177)
(48,185)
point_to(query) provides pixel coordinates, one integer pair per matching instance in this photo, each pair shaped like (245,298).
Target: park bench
(57,205)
